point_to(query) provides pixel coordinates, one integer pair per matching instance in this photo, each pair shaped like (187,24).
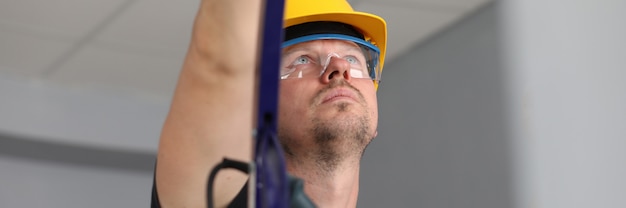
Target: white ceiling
(139,45)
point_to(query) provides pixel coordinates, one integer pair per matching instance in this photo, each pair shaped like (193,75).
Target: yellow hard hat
(373,27)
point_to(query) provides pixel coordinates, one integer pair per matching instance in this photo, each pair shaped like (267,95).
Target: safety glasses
(304,58)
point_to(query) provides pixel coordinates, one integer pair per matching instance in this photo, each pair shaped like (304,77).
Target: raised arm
(211,111)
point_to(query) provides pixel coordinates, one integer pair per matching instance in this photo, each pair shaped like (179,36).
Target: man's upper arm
(211,112)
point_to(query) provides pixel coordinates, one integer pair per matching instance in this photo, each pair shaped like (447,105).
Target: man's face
(333,114)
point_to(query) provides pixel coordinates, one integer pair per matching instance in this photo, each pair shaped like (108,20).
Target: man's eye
(301,60)
(352,60)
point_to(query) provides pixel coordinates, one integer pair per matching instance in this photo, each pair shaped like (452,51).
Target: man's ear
(375,133)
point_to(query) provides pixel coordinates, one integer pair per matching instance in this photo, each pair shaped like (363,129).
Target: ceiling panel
(28,54)
(118,42)
(113,70)
(71,18)
(407,26)
(157,26)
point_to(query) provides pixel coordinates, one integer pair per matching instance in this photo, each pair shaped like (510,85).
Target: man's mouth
(339,94)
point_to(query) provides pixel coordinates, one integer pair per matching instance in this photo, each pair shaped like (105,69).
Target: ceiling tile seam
(421,6)
(21,29)
(78,45)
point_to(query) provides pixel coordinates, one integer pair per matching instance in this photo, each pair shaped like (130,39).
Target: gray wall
(442,140)
(566,81)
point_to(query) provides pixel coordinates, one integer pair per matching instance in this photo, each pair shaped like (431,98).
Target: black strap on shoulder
(154,202)
(226,163)
(241,200)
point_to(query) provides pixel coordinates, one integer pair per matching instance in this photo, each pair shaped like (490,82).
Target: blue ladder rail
(270,188)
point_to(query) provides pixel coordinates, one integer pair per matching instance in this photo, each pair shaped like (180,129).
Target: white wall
(566,77)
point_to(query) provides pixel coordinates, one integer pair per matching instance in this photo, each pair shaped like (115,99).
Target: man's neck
(339,188)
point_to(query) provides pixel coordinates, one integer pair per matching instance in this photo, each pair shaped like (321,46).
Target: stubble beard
(339,140)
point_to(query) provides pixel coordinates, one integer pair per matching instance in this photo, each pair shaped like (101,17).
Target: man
(331,63)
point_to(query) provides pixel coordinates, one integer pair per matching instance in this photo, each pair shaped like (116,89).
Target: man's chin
(342,135)
(342,123)
(340,119)
(341,108)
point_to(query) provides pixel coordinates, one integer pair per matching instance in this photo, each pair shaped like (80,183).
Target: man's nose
(337,68)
